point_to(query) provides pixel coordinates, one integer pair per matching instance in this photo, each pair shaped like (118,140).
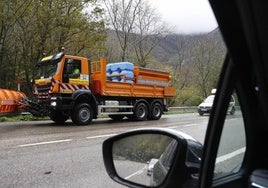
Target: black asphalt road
(42,154)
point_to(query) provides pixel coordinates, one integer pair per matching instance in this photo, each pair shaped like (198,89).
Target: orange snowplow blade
(10,102)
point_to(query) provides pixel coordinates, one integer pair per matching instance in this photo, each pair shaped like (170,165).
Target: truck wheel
(82,114)
(156,111)
(117,117)
(58,117)
(141,112)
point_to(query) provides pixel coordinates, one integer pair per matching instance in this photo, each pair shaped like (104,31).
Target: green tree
(43,27)
(137,30)
(10,12)
(207,61)
(149,30)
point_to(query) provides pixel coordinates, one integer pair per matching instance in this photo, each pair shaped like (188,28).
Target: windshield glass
(46,69)
(189,51)
(210,99)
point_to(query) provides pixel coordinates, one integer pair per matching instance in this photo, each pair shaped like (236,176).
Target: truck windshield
(46,69)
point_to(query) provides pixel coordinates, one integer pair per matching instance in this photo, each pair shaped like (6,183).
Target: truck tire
(140,112)
(82,114)
(58,117)
(156,111)
(116,117)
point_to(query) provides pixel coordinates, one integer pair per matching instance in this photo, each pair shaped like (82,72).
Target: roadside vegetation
(21,118)
(116,29)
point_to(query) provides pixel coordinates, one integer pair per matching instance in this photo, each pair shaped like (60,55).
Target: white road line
(230,155)
(59,141)
(136,173)
(101,136)
(257,185)
(43,143)
(187,125)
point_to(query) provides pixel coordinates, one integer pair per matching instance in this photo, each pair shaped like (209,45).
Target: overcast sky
(187,16)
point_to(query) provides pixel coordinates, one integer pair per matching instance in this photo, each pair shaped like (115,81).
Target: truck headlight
(53,103)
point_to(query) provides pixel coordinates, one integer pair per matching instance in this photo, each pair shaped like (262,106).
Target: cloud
(187,16)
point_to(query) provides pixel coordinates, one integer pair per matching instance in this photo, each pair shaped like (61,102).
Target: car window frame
(246,66)
(223,95)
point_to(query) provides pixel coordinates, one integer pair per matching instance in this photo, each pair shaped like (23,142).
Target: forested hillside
(194,60)
(31,29)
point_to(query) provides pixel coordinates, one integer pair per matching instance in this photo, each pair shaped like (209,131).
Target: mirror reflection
(144,159)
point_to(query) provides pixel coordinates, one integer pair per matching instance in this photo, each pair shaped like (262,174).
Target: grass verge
(29,117)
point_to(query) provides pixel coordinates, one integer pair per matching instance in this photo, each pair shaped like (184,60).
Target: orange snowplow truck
(71,86)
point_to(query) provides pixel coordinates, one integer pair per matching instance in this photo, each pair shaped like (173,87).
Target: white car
(206,106)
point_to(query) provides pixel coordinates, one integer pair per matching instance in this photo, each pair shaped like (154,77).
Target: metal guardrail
(191,108)
(25,113)
(183,108)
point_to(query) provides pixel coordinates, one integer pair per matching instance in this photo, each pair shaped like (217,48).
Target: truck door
(72,70)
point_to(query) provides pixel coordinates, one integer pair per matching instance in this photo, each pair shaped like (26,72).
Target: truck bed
(144,83)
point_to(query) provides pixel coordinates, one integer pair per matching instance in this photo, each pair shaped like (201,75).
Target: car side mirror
(147,158)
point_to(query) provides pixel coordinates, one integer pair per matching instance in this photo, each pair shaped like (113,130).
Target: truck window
(72,69)
(72,65)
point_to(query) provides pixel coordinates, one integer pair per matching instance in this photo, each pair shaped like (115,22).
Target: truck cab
(60,74)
